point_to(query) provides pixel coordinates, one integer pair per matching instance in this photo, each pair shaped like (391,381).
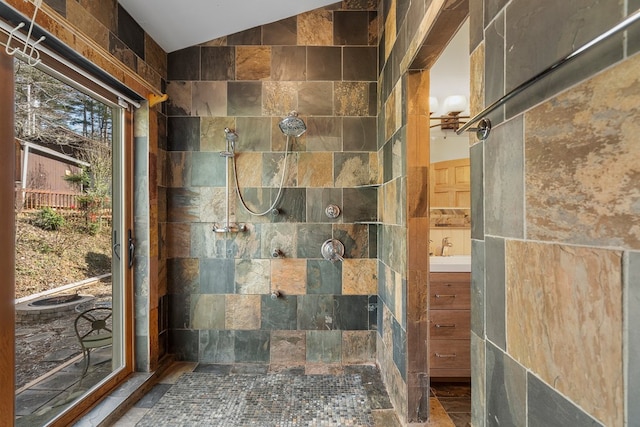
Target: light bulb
(455,104)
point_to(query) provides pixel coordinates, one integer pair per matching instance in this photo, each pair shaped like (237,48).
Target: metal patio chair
(93,329)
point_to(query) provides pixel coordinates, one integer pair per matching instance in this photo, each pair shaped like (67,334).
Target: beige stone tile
(582,171)
(289,276)
(375,170)
(359,276)
(88,24)
(398,106)
(171,375)
(249,167)
(389,116)
(566,303)
(103,12)
(390,29)
(212,132)
(242,312)
(358,347)
(208,311)
(387,332)
(288,348)
(390,201)
(315,28)
(352,98)
(279,98)
(323,369)
(385,418)
(476,97)
(211,208)
(253,62)
(437,415)
(315,169)
(353,172)
(397,288)
(252,276)
(180,97)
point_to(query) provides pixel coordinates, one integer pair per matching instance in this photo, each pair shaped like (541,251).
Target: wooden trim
(59,27)
(7,241)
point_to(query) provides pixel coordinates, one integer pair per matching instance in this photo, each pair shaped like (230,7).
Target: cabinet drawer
(450,354)
(449,295)
(450,373)
(450,324)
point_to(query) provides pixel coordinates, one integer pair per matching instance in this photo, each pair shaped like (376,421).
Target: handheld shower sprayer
(291,126)
(231,136)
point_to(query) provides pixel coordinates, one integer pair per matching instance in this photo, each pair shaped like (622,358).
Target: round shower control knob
(332,211)
(332,250)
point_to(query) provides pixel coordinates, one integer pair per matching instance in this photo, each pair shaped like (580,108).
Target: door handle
(132,248)
(116,245)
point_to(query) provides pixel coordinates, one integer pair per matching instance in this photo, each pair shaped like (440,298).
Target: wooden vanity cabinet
(450,325)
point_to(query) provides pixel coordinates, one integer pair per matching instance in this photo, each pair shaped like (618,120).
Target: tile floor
(353,395)
(455,400)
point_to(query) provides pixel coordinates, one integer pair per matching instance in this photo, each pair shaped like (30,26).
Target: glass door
(72,247)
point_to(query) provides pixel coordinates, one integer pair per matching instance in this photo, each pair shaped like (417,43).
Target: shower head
(292,125)
(230,135)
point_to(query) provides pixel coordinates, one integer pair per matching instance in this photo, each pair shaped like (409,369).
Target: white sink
(453,263)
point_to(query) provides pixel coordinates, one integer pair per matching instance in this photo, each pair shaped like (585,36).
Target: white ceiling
(175,24)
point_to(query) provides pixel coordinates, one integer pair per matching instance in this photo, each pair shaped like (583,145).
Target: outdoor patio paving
(40,402)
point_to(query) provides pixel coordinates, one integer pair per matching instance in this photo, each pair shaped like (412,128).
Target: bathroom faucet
(446,244)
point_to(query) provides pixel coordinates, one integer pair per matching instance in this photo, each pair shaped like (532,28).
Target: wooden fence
(30,198)
(33,198)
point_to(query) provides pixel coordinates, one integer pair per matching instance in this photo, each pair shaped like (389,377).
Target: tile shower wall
(403,235)
(559,270)
(322,64)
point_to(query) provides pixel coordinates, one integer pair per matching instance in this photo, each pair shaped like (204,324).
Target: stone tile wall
(403,237)
(322,64)
(113,29)
(554,247)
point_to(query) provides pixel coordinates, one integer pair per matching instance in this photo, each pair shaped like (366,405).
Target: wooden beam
(7,241)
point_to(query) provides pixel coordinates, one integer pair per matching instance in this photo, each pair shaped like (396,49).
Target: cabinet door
(451,183)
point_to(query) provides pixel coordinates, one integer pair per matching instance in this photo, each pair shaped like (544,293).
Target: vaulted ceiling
(175,24)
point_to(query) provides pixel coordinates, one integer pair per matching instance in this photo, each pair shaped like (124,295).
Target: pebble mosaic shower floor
(272,400)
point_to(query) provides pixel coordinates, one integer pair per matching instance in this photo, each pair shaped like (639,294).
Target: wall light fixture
(454,105)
